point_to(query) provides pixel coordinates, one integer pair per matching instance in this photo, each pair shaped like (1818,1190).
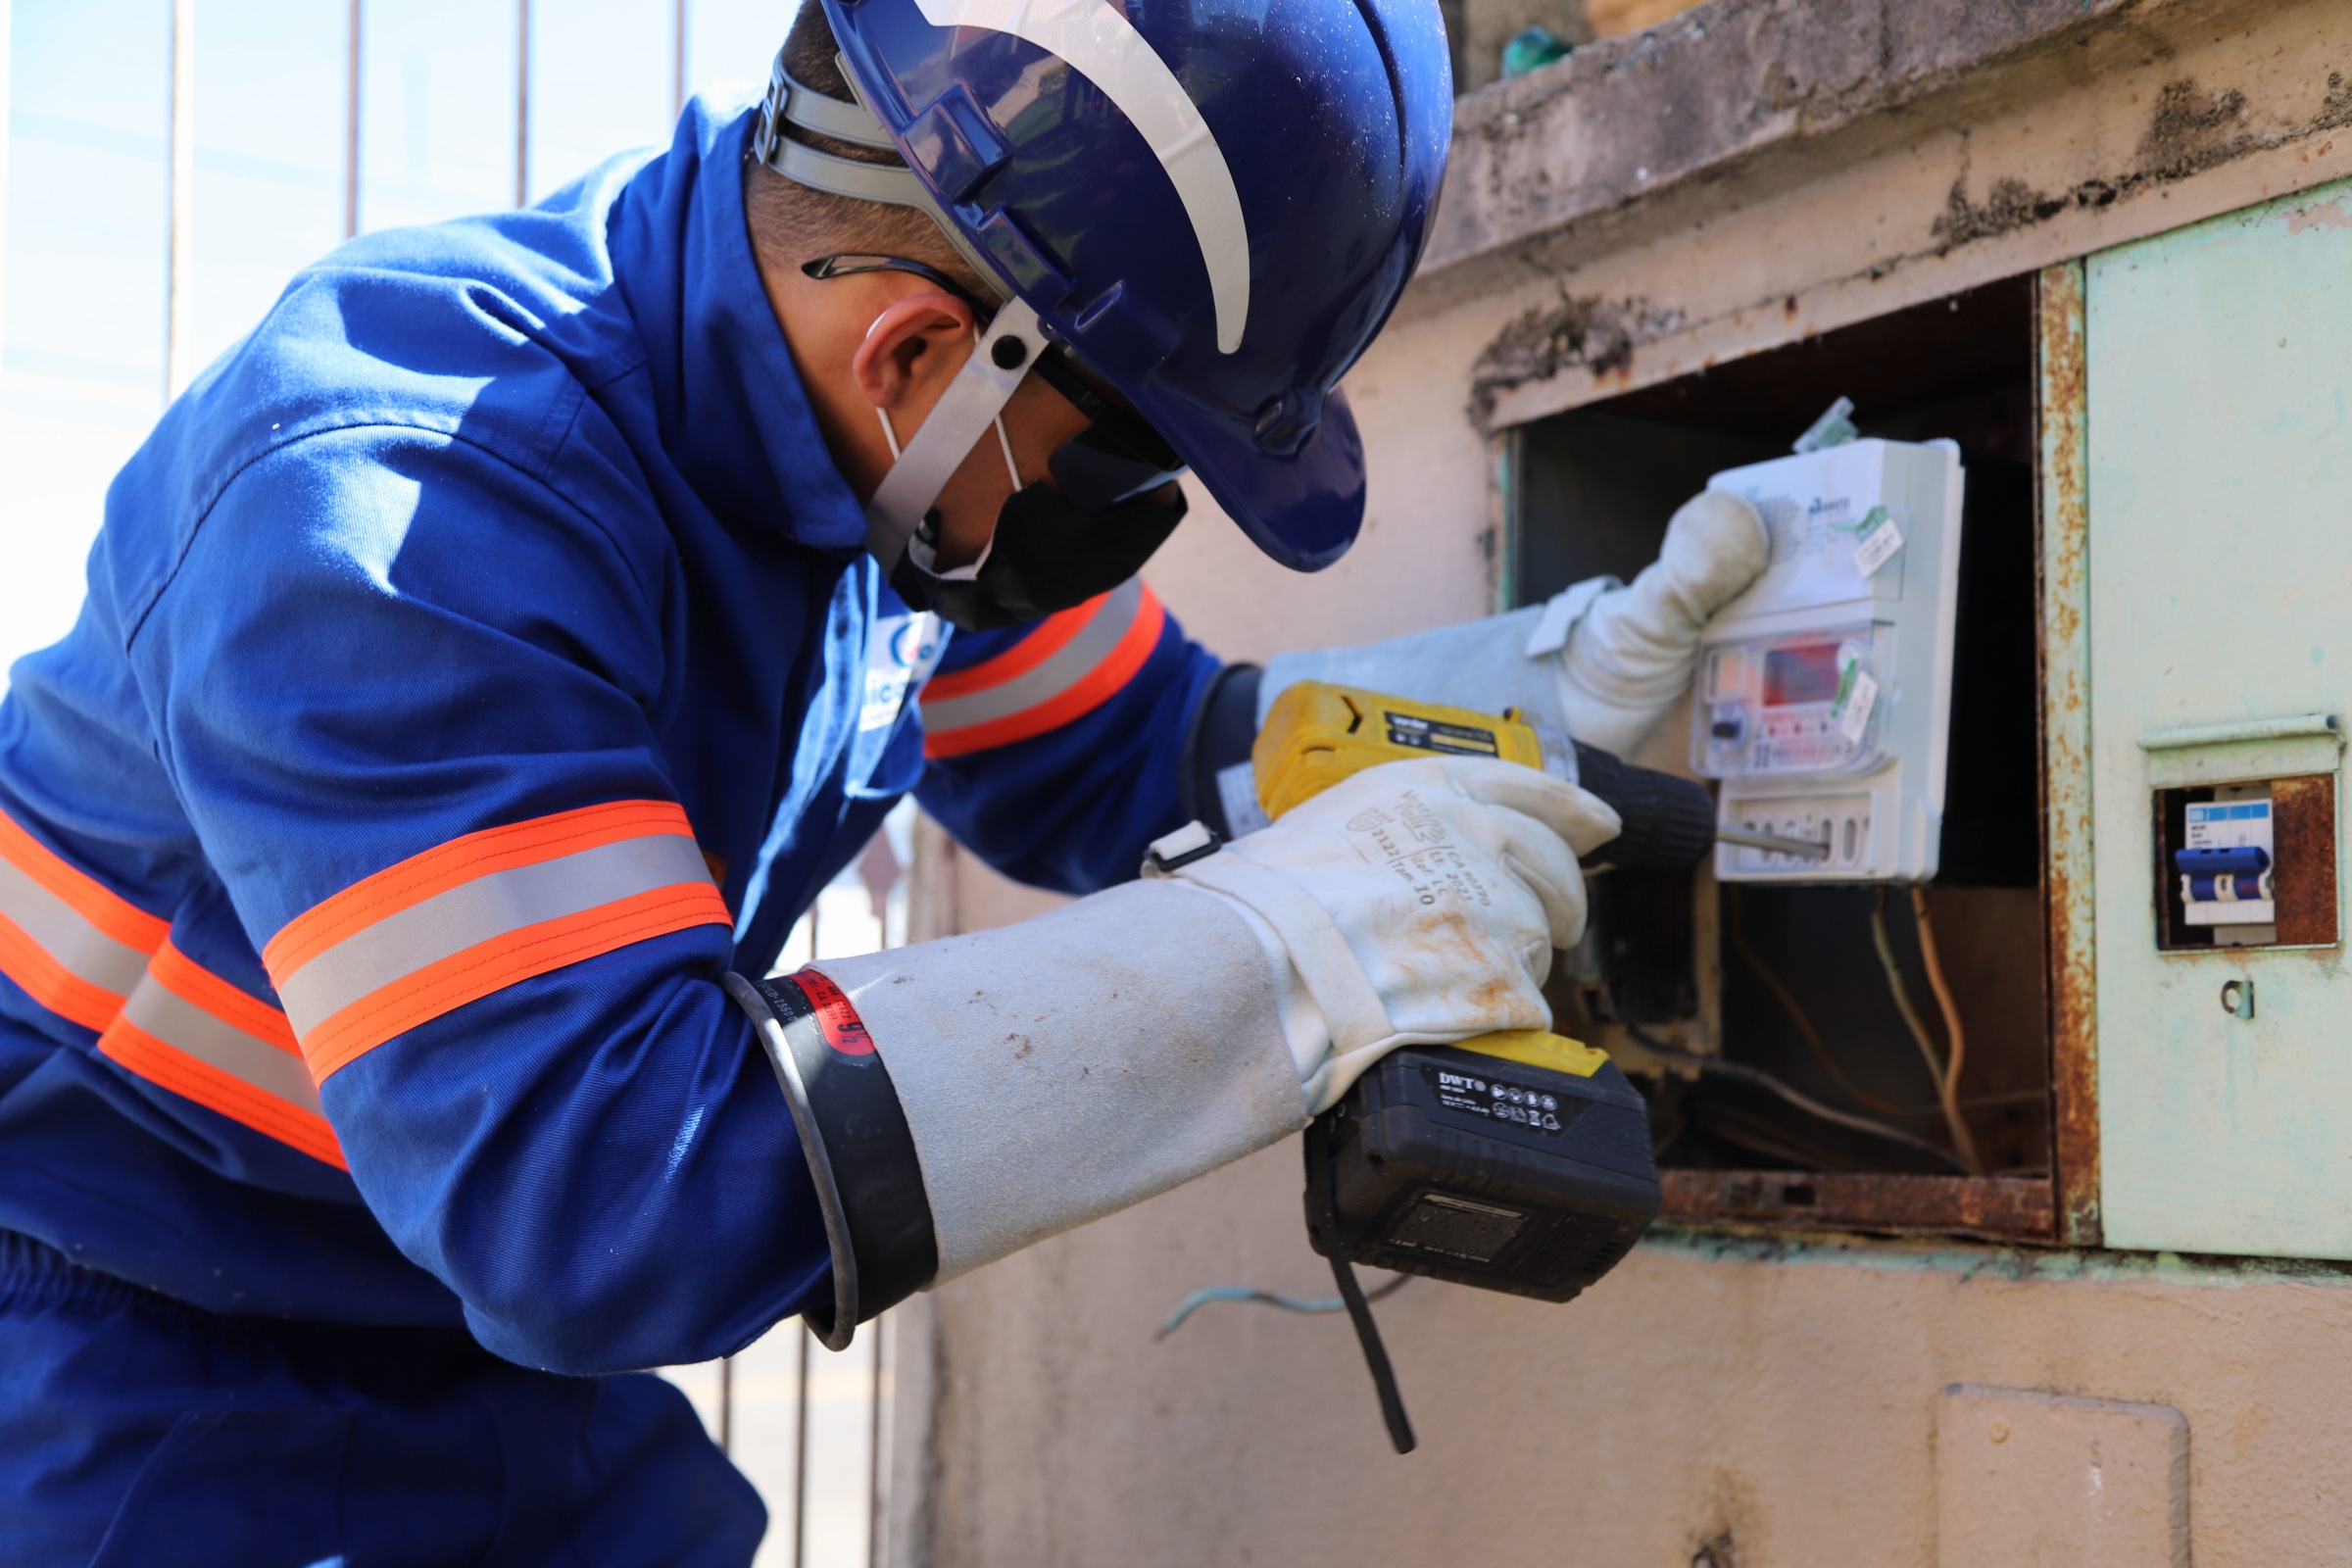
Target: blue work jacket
(480,660)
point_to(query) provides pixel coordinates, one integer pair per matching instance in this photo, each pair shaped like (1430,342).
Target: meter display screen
(1805,673)
(1803,703)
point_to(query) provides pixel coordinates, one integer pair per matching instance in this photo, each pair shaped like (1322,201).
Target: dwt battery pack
(1504,1172)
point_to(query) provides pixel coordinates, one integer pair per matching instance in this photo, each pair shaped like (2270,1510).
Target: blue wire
(1244,1293)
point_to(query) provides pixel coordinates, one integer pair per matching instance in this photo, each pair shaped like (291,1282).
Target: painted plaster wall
(1716,1402)
(1704,1390)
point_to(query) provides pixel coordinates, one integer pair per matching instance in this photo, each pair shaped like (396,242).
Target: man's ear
(909,354)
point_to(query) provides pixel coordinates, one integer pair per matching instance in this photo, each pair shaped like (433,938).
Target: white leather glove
(1415,902)
(1630,658)
(1056,1070)
(1603,660)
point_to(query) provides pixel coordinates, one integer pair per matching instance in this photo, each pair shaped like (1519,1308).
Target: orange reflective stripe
(1071,696)
(479,913)
(208,1086)
(1052,635)
(183,976)
(96,903)
(187,1030)
(493,965)
(50,983)
(463,860)
(90,955)
(73,945)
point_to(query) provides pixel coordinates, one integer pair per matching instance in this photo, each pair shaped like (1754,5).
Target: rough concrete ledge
(1620,130)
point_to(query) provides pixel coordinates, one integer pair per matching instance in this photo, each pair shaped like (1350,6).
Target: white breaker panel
(1825,692)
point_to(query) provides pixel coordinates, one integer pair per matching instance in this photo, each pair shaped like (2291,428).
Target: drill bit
(1802,849)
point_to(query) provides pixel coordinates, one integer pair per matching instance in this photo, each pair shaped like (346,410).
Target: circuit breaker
(1824,692)
(2245,833)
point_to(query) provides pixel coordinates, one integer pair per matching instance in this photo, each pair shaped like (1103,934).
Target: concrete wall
(1719,1400)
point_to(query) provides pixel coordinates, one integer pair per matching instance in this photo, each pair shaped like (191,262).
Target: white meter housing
(1825,690)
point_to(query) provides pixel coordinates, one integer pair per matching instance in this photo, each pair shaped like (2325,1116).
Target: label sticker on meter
(1428,735)
(1880,539)
(1854,715)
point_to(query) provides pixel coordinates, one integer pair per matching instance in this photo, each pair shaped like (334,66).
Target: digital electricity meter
(1824,692)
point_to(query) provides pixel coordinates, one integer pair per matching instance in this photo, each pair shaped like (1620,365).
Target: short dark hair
(791,223)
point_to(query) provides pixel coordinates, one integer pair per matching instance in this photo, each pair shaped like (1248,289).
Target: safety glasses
(1117,456)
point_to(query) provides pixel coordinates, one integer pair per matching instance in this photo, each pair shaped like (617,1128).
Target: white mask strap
(890,432)
(1012,470)
(972,402)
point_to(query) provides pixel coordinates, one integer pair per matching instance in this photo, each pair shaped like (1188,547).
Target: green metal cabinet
(2218,382)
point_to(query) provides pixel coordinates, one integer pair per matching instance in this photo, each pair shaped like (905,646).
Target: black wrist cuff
(1221,729)
(860,1151)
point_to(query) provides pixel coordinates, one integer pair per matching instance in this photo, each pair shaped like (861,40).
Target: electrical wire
(1760,1135)
(1957,1055)
(1288,1303)
(1737,929)
(1953,1120)
(1794,1096)
(1821,1051)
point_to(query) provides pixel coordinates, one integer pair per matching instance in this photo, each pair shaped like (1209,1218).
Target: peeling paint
(2192,131)
(2010,204)
(2319,216)
(1581,332)
(2189,130)
(1721,1550)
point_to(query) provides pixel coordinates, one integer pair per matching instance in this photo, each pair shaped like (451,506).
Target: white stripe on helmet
(1100,43)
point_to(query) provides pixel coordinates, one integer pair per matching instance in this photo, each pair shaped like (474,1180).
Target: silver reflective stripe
(67,935)
(217,1043)
(1064,668)
(449,922)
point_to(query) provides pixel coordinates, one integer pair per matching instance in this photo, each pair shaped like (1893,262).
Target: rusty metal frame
(2063,536)
(2001,1209)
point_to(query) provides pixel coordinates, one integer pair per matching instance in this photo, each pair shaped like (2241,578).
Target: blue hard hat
(1214,206)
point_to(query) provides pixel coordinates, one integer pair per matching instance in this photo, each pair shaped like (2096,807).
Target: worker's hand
(1629,658)
(1417,902)
(1603,660)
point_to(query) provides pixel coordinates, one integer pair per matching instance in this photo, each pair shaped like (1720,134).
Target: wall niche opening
(1794,1040)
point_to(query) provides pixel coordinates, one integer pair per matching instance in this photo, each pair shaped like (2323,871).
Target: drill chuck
(1669,821)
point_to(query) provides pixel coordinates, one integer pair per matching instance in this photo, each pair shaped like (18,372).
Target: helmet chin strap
(972,402)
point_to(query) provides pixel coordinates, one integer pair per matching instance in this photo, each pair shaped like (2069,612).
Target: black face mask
(1111,504)
(1047,556)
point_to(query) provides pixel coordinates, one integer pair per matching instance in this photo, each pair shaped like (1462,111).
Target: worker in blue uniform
(489,659)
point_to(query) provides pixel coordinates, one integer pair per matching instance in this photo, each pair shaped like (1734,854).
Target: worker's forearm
(1066,1067)
(634,1198)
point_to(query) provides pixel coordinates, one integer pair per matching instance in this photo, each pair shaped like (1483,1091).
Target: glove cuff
(861,1156)
(1059,1069)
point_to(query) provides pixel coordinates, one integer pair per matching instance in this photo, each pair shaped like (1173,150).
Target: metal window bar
(799,1440)
(351,120)
(522,102)
(179,197)
(7,33)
